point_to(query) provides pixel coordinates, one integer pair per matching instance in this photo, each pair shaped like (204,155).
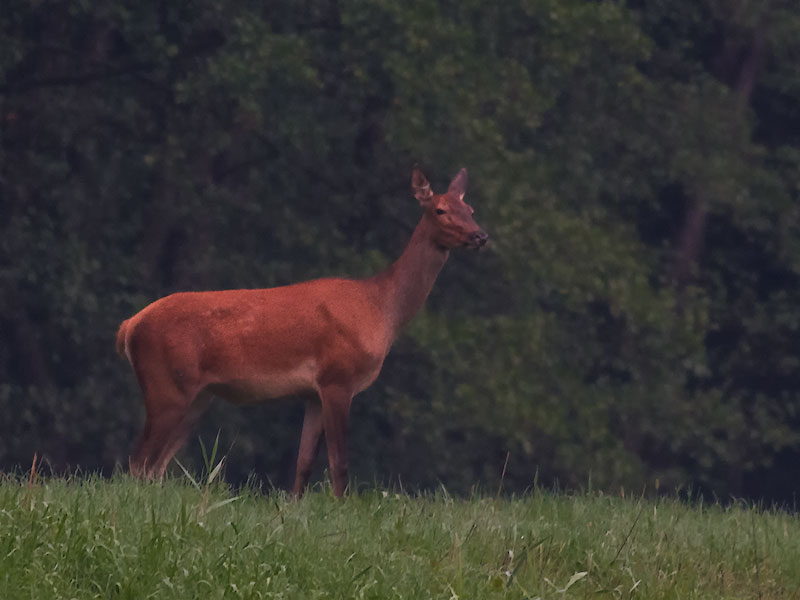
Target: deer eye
(440,211)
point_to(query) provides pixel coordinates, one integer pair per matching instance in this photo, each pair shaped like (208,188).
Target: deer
(325,339)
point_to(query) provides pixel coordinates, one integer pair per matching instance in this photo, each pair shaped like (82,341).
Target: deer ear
(421,187)
(458,186)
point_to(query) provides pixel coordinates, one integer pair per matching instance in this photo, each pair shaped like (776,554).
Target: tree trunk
(741,74)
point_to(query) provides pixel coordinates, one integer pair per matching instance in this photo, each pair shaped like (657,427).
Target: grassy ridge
(94,538)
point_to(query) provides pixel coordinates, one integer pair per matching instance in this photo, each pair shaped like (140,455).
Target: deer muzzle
(478,238)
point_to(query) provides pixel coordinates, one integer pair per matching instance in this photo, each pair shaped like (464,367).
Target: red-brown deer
(328,336)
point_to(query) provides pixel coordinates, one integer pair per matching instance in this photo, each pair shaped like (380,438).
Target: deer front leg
(335,417)
(309,444)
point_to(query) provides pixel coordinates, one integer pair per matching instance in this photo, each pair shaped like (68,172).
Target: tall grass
(122,539)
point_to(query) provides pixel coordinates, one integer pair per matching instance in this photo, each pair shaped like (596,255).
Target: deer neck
(405,285)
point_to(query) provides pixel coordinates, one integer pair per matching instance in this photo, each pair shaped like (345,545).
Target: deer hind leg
(169,409)
(309,445)
(160,428)
(137,462)
(336,402)
(176,437)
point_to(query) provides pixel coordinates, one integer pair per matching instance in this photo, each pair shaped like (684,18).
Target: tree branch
(7,88)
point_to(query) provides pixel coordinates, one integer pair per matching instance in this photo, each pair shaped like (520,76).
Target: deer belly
(264,386)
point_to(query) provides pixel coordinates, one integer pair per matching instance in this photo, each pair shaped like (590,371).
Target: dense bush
(635,163)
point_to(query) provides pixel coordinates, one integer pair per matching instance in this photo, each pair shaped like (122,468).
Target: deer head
(451,217)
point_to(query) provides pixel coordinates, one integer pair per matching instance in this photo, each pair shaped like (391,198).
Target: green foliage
(93,538)
(146,149)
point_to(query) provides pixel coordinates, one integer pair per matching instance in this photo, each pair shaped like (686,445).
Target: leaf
(576,577)
(192,480)
(213,475)
(222,503)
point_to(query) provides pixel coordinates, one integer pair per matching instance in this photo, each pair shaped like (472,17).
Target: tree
(633,319)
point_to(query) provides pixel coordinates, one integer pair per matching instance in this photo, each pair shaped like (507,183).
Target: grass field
(118,538)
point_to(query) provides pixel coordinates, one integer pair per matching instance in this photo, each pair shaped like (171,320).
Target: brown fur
(121,337)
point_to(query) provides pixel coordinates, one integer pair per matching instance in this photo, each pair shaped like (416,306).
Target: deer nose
(479,237)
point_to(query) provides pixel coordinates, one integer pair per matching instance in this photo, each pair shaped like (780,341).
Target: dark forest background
(637,163)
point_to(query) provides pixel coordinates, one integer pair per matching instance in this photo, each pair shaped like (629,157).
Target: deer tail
(121,335)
